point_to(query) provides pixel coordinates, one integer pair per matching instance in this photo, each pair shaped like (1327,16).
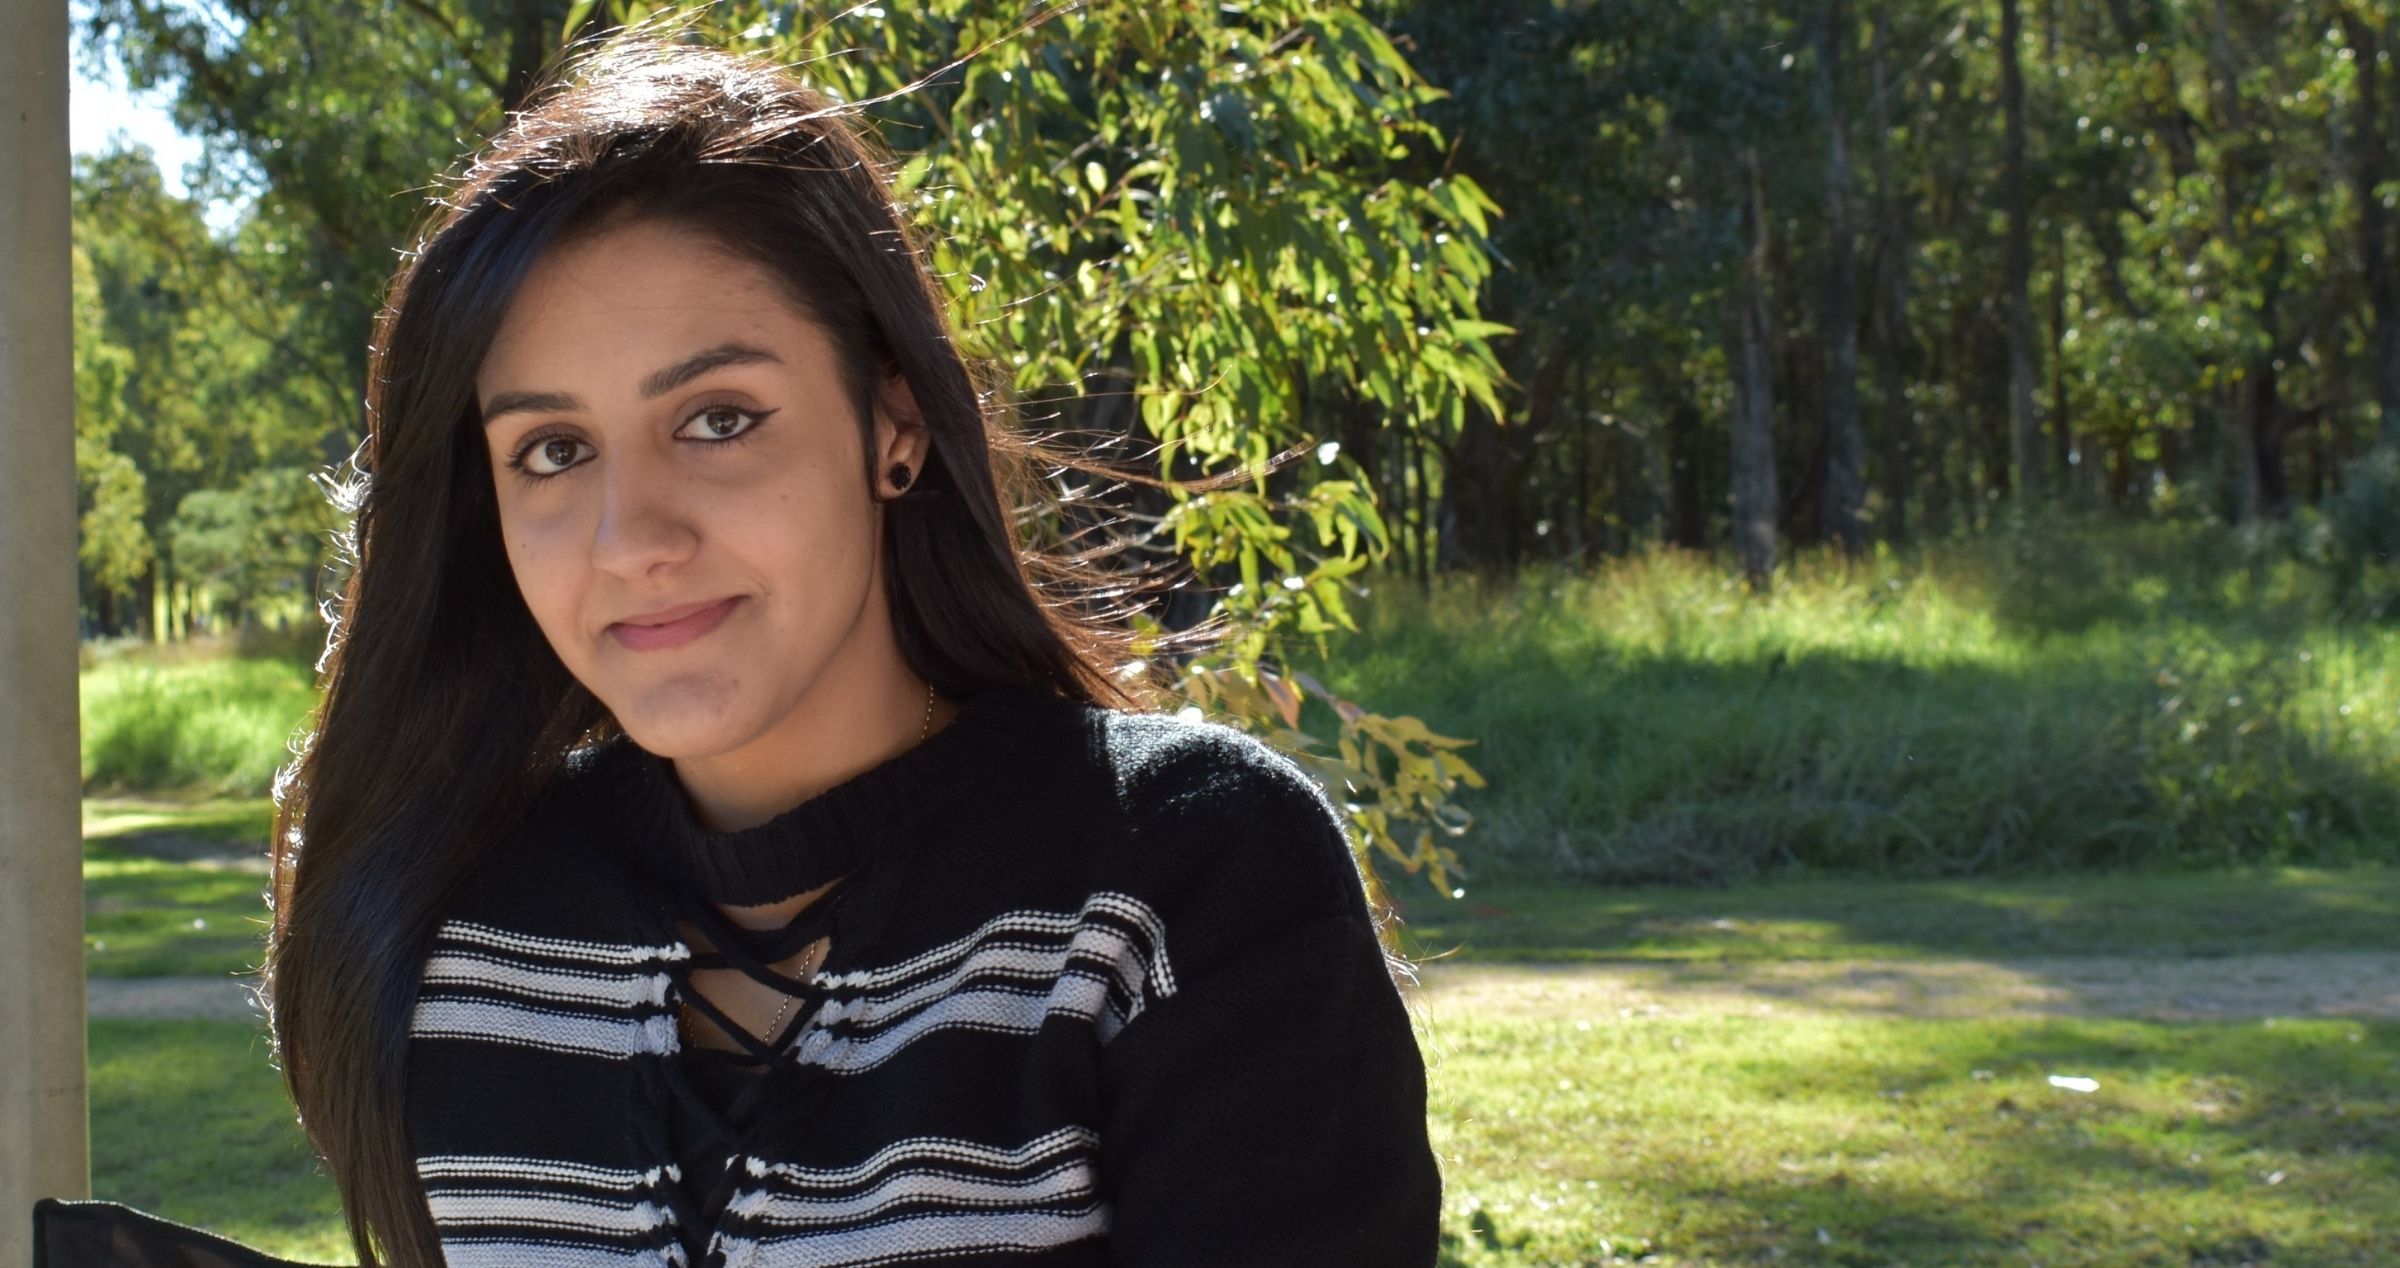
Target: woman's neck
(840,730)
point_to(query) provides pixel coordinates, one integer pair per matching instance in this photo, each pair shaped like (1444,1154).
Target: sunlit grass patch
(189,1121)
(228,821)
(1846,1141)
(174,889)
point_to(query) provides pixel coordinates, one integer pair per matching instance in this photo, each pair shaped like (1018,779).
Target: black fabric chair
(111,1235)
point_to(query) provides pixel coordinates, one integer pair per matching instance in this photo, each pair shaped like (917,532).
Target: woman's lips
(675,633)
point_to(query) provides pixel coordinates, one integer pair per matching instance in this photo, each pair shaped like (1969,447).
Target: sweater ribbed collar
(833,833)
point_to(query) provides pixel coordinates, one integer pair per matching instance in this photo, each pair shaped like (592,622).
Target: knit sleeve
(1269,1109)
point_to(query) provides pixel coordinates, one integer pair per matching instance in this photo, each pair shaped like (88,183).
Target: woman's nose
(645,522)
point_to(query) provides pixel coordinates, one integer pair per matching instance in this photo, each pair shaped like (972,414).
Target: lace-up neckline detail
(829,842)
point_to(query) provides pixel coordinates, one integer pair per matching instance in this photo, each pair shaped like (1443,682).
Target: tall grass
(2072,695)
(190,724)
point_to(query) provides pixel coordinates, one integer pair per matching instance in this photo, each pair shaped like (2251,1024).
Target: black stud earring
(900,475)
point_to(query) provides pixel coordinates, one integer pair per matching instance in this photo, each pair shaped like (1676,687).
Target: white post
(43,1148)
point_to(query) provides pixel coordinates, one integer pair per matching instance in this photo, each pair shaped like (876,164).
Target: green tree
(112,543)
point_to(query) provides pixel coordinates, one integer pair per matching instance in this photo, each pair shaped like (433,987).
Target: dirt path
(161,998)
(2313,984)
(2240,987)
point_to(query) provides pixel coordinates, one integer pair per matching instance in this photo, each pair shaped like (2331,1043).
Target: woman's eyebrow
(700,363)
(658,384)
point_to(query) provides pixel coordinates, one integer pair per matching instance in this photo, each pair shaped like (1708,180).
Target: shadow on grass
(2172,915)
(147,917)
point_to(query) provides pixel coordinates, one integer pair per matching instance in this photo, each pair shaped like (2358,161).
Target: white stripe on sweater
(558,948)
(1023,1157)
(1067,1182)
(497,1252)
(1034,964)
(546,1211)
(920,1237)
(584,1033)
(1123,907)
(623,990)
(435,1167)
(1075,994)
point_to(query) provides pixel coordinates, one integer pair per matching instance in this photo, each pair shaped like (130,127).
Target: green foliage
(1217,210)
(254,548)
(1227,215)
(112,542)
(2363,531)
(187,387)
(220,726)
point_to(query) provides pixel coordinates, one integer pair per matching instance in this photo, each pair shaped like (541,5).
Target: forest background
(1842,558)
(2007,328)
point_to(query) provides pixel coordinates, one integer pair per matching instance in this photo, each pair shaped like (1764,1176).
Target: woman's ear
(902,441)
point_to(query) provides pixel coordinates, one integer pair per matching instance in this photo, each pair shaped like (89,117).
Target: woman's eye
(719,422)
(549,455)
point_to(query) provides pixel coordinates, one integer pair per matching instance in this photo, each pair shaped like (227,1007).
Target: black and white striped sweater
(1103,989)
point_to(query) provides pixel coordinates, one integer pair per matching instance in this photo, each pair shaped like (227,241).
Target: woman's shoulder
(1214,808)
(1175,765)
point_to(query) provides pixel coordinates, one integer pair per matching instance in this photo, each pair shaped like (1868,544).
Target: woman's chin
(681,724)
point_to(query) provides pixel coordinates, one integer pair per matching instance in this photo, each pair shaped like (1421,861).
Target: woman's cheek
(547,575)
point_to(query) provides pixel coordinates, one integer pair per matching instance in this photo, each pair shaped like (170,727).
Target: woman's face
(682,489)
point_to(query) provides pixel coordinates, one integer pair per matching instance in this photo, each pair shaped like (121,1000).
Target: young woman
(714,847)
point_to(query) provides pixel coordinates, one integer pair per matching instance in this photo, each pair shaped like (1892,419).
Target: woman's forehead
(632,305)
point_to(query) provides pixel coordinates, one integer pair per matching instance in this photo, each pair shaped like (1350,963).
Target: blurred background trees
(1771,275)
(1487,285)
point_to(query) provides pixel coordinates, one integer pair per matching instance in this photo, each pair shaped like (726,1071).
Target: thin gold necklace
(924,730)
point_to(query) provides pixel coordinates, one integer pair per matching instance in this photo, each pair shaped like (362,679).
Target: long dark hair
(445,712)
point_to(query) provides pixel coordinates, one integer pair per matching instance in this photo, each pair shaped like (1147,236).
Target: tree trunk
(532,32)
(1846,447)
(2074,471)
(1753,458)
(2267,433)
(2369,168)
(1891,309)
(2024,435)
(1420,495)
(1687,513)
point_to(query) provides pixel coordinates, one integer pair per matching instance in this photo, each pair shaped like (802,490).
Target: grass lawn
(1694,1139)
(2189,914)
(1738,1140)
(165,888)
(1595,1140)
(149,916)
(190,1122)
